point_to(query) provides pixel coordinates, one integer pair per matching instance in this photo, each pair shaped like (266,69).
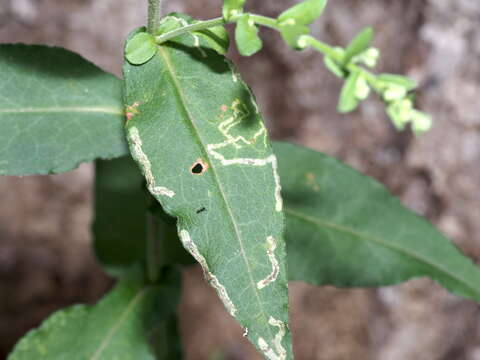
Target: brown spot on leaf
(311,181)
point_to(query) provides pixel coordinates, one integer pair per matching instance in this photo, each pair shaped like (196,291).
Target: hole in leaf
(199,167)
(201,210)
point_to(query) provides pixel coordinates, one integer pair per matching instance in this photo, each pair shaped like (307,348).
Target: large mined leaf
(56,111)
(345,229)
(201,143)
(120,225)
(125,324)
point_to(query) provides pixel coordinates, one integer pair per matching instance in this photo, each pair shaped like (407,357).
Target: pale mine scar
(232,70)
(277,351)
(142,158)
(239,142)
(272,245)
(191,247)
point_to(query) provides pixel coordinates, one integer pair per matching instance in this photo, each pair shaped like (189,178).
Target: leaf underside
(56,111)
(346,229)
(196,133)
(123,325)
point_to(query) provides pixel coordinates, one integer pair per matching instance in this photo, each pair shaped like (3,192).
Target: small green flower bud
(362,90)
(302,41)
(421,122)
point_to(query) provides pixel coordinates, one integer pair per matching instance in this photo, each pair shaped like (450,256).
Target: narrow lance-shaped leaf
(348,99)
(200,141)
(345,229)
(56,111)
(399,80)
(359,44)
(124,325)
(246,36)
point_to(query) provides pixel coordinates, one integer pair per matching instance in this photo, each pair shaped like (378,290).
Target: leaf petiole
(265,21)
(201,25)
(325,49)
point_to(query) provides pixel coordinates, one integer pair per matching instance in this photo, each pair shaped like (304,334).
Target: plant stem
(154,7)
(201,25)
(153,248)
(325,49)
(265,21)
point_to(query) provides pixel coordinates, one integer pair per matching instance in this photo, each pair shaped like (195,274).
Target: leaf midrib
(320,222)
(181,97)
(64,109)
(116,325)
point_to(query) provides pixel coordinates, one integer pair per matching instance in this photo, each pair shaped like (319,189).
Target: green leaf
(122,209)
(398,80)
(217,37)
(246,36)
(334,67)
(57,110)
(120,225)
(400,112)
(203,148)
(345,229)
(140,48)
(124,325)
(232,8)
(348,99)
(290,33)
(303,13)
(359,44)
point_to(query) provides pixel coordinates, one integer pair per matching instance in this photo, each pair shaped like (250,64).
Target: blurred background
(45,257)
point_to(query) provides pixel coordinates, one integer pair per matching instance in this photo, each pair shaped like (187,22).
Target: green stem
(154,7)
(201,25)
(304,41)
(153,248)
(325,49)
(265,21)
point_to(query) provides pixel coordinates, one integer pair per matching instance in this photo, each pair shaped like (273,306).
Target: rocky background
(45,259)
